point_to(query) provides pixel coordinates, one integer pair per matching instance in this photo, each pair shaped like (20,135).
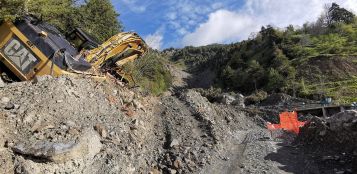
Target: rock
(64,127)
(177,164)
(5,100)
(172,171)
(228,99)
(9,106)
(337,121)
(190,164)
(100,128)
(128,97)
(2,83)
(41,78)
(236,99)
(137,104)
(59,101)
(73,131)
(86,147)
(155,171)
(322,133)
(6,165)
(325,158)
(134,124)
(239,101)
(70,124)
(174,142)
(38,127)
(26,167)
(17,106)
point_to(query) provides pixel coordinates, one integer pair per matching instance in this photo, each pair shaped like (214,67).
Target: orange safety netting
(288,121)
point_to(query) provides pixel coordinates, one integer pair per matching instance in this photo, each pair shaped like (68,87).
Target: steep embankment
(335,76)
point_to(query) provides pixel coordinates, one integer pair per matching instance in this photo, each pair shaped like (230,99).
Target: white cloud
(351,5)
(217,5)
(222,25)
(155,40)
(184,15)
(225,26)
(134,6)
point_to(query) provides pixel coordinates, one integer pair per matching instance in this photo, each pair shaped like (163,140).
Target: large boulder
(237,99)
(85,147)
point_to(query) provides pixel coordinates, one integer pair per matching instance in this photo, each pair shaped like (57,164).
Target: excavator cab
(81,40)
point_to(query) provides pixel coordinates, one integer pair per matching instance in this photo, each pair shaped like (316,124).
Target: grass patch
(343,92)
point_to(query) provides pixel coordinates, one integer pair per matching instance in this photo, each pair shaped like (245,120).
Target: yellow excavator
(30,47)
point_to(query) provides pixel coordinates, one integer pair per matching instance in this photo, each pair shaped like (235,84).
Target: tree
(61,14)
(10,9)
(337,14)
(275,80)
(99,18)
(280,61)
(270,34)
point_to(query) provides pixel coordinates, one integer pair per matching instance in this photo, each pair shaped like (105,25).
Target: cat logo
(19,55)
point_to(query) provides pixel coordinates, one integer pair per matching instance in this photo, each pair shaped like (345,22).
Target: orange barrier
(288,121)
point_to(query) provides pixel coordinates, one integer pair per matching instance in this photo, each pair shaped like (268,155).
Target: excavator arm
(114,53)
(116,46)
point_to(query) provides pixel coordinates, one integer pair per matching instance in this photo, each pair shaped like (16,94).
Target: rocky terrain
(82,125)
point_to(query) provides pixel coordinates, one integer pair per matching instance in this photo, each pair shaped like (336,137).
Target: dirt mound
(340,129)
(335,138)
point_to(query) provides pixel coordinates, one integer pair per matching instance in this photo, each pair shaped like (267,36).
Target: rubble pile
(69,125)
(280,102)
(333,141)
(80,125)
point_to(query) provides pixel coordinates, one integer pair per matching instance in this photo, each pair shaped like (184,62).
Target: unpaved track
(220,138)
(228,140)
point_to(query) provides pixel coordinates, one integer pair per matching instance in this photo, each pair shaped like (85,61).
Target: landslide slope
(310,62)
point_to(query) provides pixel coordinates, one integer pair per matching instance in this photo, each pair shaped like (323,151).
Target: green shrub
(256,97)
(150,73)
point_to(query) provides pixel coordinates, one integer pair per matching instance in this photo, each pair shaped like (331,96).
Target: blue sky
(178,23)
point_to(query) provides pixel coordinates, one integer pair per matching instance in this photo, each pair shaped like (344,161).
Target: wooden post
(324,112)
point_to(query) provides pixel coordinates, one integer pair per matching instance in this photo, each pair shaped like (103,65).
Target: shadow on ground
(293,160)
